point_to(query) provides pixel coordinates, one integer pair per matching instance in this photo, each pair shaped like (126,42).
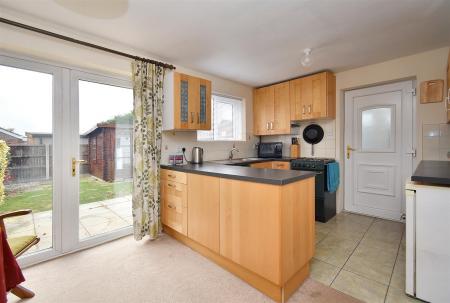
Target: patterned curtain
(148,81)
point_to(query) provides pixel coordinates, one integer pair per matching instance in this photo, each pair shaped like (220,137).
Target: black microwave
(270,150)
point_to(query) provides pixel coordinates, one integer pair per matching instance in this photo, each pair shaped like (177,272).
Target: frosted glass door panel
(377,129)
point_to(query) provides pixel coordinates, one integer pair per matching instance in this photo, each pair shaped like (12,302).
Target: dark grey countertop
(434,172)
(259,175)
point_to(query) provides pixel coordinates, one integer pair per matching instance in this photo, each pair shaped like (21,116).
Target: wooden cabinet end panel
(298,226)
(250,226)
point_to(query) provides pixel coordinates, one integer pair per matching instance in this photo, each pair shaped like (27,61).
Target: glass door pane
(106,148)
(26,100)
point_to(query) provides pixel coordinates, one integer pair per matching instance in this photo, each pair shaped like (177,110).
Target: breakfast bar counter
(268,176)
(256,223)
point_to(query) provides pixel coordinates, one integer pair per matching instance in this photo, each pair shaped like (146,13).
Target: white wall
(25,43)
(421,67)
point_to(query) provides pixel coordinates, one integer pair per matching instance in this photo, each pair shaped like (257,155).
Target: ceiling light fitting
(306,58)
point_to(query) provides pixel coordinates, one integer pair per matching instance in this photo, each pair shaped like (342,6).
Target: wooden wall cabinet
(313,97)
(271,110)
(203,210)
(187,104)
(306,98)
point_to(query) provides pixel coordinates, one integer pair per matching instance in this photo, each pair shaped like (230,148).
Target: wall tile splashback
(213,150)
(325,149)
(436,142)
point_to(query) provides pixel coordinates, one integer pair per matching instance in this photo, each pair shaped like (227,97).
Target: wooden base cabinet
(262,233)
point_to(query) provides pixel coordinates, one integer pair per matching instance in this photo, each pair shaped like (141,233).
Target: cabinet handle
(171,206)
(303,112)
(271,125)
(267,126)
(198,118)
(192,117)
(170,176)
(309,109)
(171,185)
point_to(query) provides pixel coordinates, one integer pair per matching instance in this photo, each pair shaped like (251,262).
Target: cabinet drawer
(281,165)
(171,175)
(174,205)
(261,165)
(175,194)
(175,219)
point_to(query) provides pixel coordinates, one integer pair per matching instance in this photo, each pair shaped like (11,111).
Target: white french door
(378,149)
(99,159)
(52,117)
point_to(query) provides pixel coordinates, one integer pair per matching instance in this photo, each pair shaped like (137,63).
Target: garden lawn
(39,198)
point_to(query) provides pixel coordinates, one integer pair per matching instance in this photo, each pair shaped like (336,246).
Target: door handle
(74,165)
(413,153)
(349,150)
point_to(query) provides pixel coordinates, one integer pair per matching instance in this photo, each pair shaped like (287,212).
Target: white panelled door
(378,148)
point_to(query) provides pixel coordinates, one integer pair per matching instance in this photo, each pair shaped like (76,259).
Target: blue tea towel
(332,176)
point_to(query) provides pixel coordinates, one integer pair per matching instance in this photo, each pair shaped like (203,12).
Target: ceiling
(256,42)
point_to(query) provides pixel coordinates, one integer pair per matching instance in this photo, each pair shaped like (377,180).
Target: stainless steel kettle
(197,155)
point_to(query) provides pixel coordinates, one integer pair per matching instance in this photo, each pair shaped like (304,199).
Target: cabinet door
(263,110)
(295,97)
(281,123)
(194,102)
(181,101)
(306,97)
(318,96)
(203,210)
(204,115)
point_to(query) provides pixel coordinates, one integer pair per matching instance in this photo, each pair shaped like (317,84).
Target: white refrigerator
(428,242)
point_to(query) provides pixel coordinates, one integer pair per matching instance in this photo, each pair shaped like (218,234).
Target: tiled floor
(363,257)
(95,218)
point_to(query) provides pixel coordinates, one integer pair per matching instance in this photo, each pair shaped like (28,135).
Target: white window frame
(65,146)
(239,132)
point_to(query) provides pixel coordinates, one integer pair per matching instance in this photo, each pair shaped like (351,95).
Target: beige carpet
(150,271)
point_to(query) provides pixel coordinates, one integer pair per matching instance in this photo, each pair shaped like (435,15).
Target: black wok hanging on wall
(313,134)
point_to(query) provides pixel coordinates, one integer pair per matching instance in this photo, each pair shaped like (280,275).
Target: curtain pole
(84,43)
